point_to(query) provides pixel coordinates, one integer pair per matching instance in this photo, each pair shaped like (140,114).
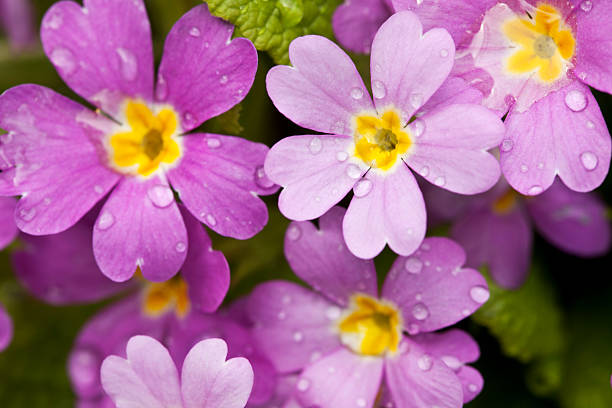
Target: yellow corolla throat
(162,297)
(380,141)
(546,44)
(506,202)
(372,327)
(150,141)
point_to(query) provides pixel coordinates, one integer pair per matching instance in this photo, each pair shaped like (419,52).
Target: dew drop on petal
(586,6)
(425,362)
(418,127)
(63,59)
(440,181)
(315,145)
(416,100)
(194,32)
(452,362)
(473,387)
(333,312)
(590,124)
(27,215)
(106,220)
(161,196)
(213,142)
(98,189)
(180,247)
(535,190)
(479,294)
(413,265)
(353,171)
(298,336)
(161,89)
(362,188)
(507,145)
(589,160)
(420,311)
(424,171)
(261,179)
(576,100)
(356,93)
(413,329)
(342,156)
(540,166)
(361,402)
(211,220)
(303,384)
(129,65)
(188,119)
(379,90)
(223,79)
(524,168)
(294,232)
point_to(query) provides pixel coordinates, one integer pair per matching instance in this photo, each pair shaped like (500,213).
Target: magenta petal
(217,189)
(563,133)
(408,66)
(6,329)
(322,90)
(453,91)
(314,171)
(594,52)
(500,241)
(575,222)
(356,22)
(471,382)
(61,269)
(203,72)
(49,157)
(418,379)
(432,289)
(341,380)
(207,380)
(140,226)
(321,258)
(293,325)
(103,51)
(205,270)
(8,229)
(392,212)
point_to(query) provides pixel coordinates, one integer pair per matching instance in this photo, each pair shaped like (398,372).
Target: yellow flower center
(546,44)
(372,328)
(161,297)
(150,141)
(380,141)
(506,202)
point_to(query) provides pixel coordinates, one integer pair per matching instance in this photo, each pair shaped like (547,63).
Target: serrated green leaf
(527,322)
(272,24)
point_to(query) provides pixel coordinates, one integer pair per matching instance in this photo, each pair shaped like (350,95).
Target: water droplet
(194,32)
(540,166)
(424,171)
(378,89)
(303,384)
(353,171)
(590,124)
(223,79)
(211,220)
(361,402)
(452,362)
(524,168)
(466,312)
(586,6)
(440,181)
(188,120)
(213,142)
(425,362)
(180,247)
(261,179)
(161,196)
(444,53)
(416,100)
(534,190)
(129,64)
(356,93)
(106,220)
(413,329)
(342,156)
(420,311)
(333,312)
(161,90)
(54,21)
(63,59)
(315,145)
(589,160)
(294,232)
(362,188)
(298,336)
(98,189)
(418,127)
(507,145)
(27,215)
(413,265)
(576,100)
(479,294)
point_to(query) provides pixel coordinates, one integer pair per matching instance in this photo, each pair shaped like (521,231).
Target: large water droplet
(362,188)
(353,171)
(303,384)
(586,6)
(507,145)
(576,100)
(413,265)
(378,89)
(106,220)
(589,160)
(211,220)
(63,59)
(356,93)
(294,232)
(420,311)
(315,145)
(161,196)
(479,294)
(425,362)
(129,64)
(194,32)
(261,179)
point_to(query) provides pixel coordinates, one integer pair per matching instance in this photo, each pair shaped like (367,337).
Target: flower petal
(140,226)
(293,325)
(320,258)
(451,153)
(431,288)
(341,380)
(316,173)
(219,188)
(356,22)
(392,212)
(574,222)
(471,382)
(8,229)
(453,91)
(454,343)
(408,67)
(322,90)
(208,380)
(203,72)
(50,158)
(6,329)
(563,133)
(102,51)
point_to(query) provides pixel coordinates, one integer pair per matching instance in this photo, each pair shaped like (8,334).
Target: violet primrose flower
(419,120)
(63,158)
(543,55)
(149,377)
(345,338)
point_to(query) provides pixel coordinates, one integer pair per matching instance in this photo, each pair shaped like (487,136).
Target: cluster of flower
(125,188)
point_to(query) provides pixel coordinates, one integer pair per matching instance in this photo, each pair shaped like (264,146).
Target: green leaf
(273,24)
(527,322)
(227,123)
